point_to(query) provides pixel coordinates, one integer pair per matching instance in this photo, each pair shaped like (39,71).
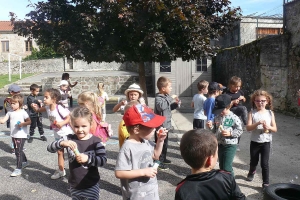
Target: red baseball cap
(141,114)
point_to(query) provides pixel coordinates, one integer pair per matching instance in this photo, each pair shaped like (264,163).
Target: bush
(43,53)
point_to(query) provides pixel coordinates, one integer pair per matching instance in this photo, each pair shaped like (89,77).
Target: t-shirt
(64,98)
(198,100)
(55,116)
(258,135)
(235,96)
(14,117)
(208,107)
(137,156)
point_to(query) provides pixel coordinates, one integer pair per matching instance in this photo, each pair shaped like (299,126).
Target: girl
(90,100)
(66,76)
(261,122)
(64,92)
(59,120)
(86,154)
(105,98)
(19,120)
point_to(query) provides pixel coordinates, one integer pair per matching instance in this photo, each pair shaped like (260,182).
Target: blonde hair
(91,101)
(81,112)
(18,98)
(100,88)
(268,96)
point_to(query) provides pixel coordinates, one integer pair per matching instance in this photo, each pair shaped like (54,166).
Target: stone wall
(261,64)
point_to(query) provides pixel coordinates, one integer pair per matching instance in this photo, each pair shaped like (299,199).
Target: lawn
(14,77)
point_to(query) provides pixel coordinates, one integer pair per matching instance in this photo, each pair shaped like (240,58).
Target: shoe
(24,164)
(162,167)
(16,172)
(43,138)
(58,174)
(30,139)
(167,161)
(250,176)
(264,186)
(13,151)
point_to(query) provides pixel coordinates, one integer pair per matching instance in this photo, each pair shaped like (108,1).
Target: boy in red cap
(134,165)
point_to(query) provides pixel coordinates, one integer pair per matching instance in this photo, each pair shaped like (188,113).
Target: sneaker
(24,164)
(162,167)
(264,186)
(250,176)
(16,172)
(43,138)
(167,161)
(30,139)
(58,174)
(13,151)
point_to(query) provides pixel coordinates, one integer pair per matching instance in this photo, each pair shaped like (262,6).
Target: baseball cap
(221,102)
(63,82)
(14,88)
(141,114)
(215,86)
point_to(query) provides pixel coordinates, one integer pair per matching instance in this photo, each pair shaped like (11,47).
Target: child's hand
(242,98)
(123,102)
(226,133)
(236,101)
(265,126)
(82,158)
(40,101)
(34,106)
(209,124)
(161,134)
(68,143)
(59,124)
(150,172)
(262,122)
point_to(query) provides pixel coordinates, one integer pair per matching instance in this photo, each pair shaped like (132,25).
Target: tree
(129,30)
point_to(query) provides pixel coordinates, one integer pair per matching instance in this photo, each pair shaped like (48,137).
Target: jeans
(20,155)
(226,155)
(163,155)
(36,121)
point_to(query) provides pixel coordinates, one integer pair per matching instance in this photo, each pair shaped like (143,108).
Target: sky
(248,7)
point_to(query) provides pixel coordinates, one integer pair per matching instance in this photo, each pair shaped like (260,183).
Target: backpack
(103,130)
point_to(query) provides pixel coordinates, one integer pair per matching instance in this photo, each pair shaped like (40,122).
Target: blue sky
(248,7)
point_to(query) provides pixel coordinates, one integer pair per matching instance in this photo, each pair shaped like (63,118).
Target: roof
(5,26)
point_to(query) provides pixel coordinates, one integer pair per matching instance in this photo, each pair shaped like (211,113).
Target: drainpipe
(256,27)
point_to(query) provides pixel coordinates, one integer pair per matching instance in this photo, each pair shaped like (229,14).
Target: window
(201,65)
(263,32)
(5,46)
(28,45)
(165,66)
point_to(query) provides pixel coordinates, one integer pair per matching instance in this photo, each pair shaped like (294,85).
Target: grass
(14,77)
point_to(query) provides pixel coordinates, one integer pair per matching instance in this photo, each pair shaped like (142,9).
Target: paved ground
(35,182)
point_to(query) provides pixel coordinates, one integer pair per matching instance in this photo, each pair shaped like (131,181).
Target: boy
(214,89)
(163,106)
(35,117)
(64,92)
(228,127)
(197,103)
(199,149)
(134,164)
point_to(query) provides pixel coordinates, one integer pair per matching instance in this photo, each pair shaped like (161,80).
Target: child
(59,119)
(64,92)
(19,120)
(163,106)
(214,89)
(199,149)
(134,164)
(66,76)
(228,127)
(105,98)
(134,92)
(261,123)
(86,154)
(35,117)
(197,103)
(123,133)
(90,100)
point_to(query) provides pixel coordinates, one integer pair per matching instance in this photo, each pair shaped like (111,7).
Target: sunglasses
(260,101)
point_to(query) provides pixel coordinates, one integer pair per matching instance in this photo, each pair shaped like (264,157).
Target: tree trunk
(142,78)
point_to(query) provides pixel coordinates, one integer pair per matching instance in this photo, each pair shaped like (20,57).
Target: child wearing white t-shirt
(19,120)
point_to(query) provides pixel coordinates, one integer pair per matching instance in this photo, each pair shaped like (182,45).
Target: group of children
(135,166)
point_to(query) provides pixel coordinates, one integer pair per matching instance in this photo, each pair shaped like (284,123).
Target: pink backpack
(103,130)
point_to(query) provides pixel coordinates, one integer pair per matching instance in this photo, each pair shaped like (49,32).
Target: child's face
(235,88)
(15,105)
(133,96)
(47,99)
(260,102)
(205,90)
(13,93)
(146,132)
(226,111)
(81,127)
(167,89)
(35,92)
(64,87)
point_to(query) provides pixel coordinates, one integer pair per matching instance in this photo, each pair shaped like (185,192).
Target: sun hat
(221,102)
(14,88)
(141,114)
(134,87)
(63,82)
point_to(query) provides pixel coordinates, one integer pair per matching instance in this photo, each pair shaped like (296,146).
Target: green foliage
(14,77)
(43,53)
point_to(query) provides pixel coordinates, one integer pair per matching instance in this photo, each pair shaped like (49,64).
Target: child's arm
(97,160)
(161,135)
(73,84)
(37,109)
(62,123)
(250,126)
(4,119)
(106,97)
(118,105)
(192,104)
(26,122)
(161,104)
(136,173)
(55,146)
